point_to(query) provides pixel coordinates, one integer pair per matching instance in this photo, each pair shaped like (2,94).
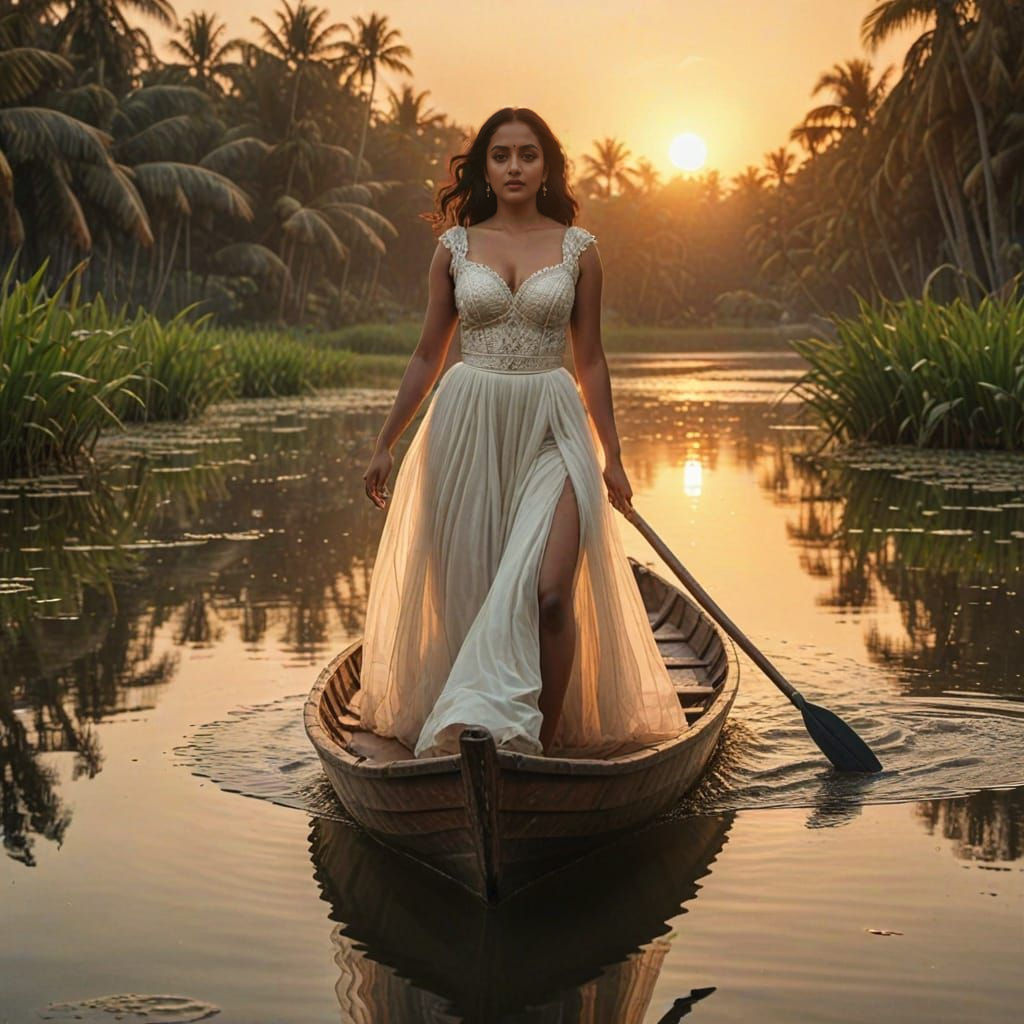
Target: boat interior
(690,646)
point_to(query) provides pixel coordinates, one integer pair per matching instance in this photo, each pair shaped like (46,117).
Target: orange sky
(738,72)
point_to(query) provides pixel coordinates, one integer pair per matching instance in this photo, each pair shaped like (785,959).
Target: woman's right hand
(376,475)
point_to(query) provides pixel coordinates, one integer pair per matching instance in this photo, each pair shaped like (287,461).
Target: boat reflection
(585,944)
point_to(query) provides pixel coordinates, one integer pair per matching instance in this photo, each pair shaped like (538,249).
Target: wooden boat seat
(380,749)
(387,750)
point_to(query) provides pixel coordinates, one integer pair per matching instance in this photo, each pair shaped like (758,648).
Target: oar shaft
(711,607)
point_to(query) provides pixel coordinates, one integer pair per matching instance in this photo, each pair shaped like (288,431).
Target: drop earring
(488,190)
(544,187)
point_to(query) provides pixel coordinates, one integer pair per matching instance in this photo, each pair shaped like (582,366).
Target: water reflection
(693,475)
(949,552)
(188,531)
(987,827)
(584,945)
(250,531)
(74,647)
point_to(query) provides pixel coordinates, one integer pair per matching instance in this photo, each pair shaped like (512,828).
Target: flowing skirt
(451,637)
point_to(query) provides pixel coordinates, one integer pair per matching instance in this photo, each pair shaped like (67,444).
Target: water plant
(185,367)
(270,363)
(64,370)
(71,368)
(921,372)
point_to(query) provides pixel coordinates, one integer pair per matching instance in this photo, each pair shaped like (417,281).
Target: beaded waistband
(510,363)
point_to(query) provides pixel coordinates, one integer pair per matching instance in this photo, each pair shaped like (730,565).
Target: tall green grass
(923,373)
(185,367)
(71,368)
(267,363)
(65,370)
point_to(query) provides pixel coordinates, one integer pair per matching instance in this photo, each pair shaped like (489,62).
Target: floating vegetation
(132,1009)
(941,532)
(923,373)
(980,471)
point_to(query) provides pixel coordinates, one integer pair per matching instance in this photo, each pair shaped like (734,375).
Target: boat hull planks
(494,820)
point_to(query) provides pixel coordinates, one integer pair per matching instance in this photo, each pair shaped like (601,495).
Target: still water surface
(161,625)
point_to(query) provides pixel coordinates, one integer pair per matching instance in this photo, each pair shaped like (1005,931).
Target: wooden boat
(412,945)
(495,819)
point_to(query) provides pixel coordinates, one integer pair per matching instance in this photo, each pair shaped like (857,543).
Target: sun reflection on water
(693,478)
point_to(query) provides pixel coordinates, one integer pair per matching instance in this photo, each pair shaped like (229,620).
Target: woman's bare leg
(555,598)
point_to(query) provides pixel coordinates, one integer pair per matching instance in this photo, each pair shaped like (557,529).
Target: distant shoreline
(373,368)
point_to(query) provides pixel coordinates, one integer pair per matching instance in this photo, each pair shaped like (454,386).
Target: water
(162,622)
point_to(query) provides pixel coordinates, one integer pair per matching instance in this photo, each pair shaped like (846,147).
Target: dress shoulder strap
(576,240)
(455,240)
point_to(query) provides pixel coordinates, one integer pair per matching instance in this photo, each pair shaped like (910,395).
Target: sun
(688,152)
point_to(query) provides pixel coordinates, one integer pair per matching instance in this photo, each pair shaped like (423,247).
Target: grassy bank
(70,369)
(401,338)
(922,373)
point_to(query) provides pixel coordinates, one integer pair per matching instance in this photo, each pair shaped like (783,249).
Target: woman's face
(514,155)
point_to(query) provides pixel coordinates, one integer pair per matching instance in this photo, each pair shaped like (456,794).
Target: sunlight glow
(693,478)
(688,152)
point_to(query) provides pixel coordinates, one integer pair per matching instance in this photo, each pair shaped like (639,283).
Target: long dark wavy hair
(466,192)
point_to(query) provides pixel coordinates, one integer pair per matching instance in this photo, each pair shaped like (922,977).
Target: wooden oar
(838,742)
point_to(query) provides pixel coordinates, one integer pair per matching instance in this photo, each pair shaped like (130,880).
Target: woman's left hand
(620,494)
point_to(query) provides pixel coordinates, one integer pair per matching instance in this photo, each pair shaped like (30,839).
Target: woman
(501,595)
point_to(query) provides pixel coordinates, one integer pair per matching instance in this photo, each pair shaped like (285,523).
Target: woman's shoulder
(454,239)
(577,238)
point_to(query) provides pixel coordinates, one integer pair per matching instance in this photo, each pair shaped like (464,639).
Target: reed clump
(70,369)
(268,363)
(921,372)
(66,369)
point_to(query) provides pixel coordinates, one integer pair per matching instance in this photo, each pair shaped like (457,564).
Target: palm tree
(813,137)
(54,167)
(710,184)
(854,102)
(779,164)
(855,98)
(606,169)
(203,54)
(407,116)
(950,19)
(648,178)
(749,182)
(97,36)
(302,43)
(371,47)
(175,192)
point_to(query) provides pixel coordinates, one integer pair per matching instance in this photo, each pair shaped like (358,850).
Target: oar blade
(837,741)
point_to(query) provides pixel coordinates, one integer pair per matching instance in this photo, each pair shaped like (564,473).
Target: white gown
(451,635)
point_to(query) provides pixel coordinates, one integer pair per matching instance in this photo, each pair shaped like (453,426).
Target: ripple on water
(262,751)
(930,748)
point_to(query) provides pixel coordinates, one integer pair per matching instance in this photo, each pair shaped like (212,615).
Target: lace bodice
(522,330)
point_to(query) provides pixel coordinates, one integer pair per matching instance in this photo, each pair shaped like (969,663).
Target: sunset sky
(737,73)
